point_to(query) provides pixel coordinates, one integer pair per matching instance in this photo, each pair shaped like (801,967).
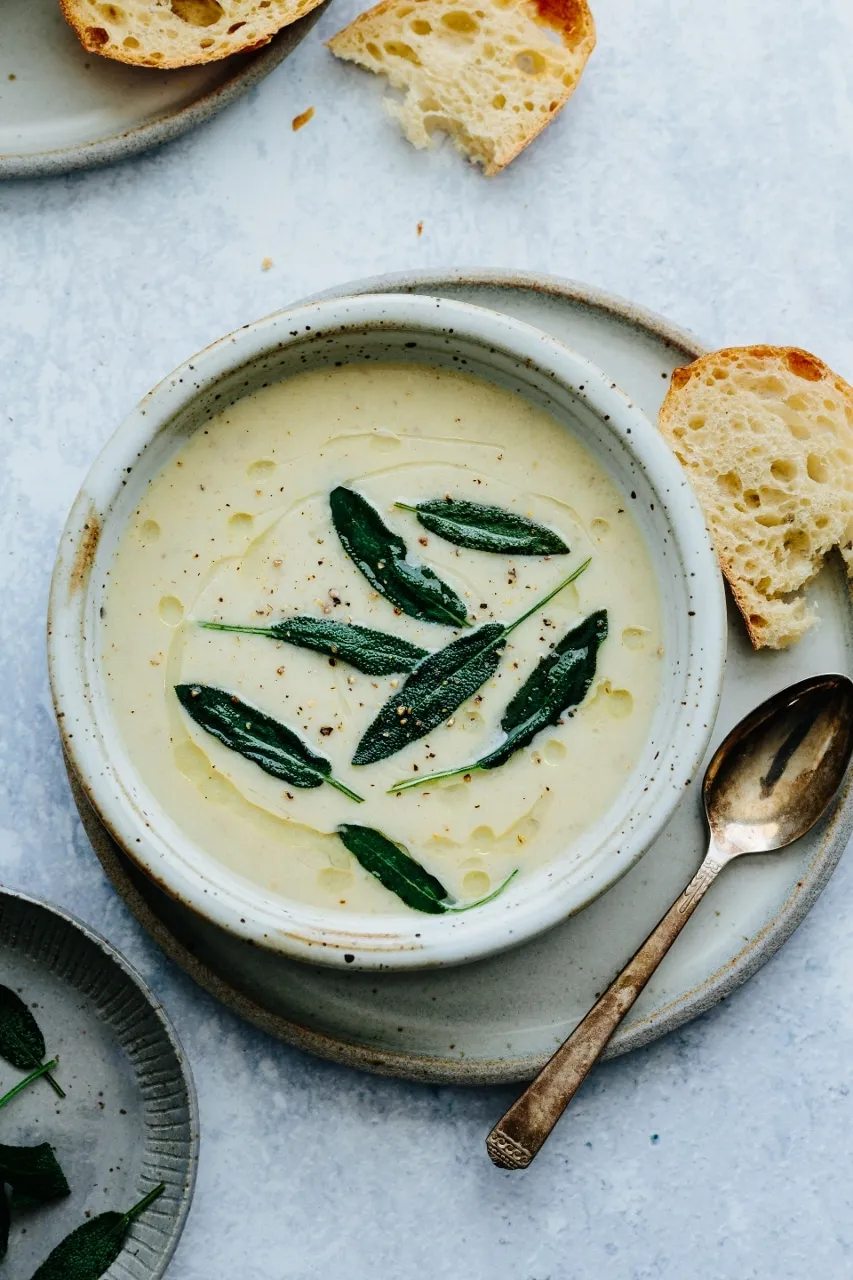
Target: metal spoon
(767,785)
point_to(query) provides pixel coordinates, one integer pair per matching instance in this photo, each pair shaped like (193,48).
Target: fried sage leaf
(258,737)
(432,692)
(398,871)
(92,1249)
(560,680)
(28,1080)
(21,1040)
(393,868)
(373,652)
(33,1173)
(480,527)
(440,684)
(381,554)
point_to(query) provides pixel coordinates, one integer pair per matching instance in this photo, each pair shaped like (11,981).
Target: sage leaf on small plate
(560,680)
(373,652)
(480,527)
(33,1173)
(28,1080)
(91,1250)
(381,555)
(21,1040)
(440,684)
(258,737)
(398,871)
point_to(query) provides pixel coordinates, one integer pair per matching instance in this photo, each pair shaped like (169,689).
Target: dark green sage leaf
(5,1222)
(398,871)
(28,1080)
(560,680)
(381,554)
(432,693)
(33,1173)
(21,1040)
(256,736)
(484,528)
(439,684)
(393,868)
(90,1250)
(373,652)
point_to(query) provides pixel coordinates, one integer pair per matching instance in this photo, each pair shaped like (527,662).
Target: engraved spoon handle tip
(519,1134)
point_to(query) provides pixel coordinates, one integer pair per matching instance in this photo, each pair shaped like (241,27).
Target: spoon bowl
(774,775)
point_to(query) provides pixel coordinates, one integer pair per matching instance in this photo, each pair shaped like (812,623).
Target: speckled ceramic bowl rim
(694,672)
(250,69)
(112,956)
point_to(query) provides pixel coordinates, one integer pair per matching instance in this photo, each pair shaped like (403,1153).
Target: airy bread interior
(179,33)
(490,73)
(766,437)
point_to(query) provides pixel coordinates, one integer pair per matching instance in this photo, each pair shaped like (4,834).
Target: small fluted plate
(129,1120)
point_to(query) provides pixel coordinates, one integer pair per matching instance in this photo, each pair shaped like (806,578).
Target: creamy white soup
(237,529)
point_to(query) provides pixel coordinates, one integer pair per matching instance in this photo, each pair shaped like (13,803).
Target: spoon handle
(519,1134)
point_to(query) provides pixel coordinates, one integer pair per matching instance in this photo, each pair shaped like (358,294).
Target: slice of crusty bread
(490,73)
(179,33)
(766,437)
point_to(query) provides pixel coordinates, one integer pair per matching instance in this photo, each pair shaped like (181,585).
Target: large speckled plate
(62,108)
(499,1019)
(129,1119)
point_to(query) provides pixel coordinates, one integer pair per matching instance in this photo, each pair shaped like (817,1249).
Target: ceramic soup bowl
(443,334)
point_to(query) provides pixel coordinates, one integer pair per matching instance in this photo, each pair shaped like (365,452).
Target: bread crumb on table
(300,120)
(266,264)
(420,228)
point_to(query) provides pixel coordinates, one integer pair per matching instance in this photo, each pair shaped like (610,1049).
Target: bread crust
(96,38)
(574,21)
(797,363)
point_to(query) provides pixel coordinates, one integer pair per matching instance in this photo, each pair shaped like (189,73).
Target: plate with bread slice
(87,83)
(765,436)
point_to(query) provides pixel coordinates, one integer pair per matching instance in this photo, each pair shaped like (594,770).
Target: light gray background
(703,169)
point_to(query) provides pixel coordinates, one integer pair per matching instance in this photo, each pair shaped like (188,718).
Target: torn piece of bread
(766,437)
(490,73)
(179,33)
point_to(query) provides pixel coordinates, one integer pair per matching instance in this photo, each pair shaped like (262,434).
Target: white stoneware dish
(500,1019)
(62,108)
(437,332)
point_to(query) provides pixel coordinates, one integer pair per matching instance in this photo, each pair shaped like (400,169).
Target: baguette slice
(179,33)
(766,437)
(490,73)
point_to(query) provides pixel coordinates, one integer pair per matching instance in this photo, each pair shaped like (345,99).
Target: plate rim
(113,955)
(252,69)
(429,1069)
